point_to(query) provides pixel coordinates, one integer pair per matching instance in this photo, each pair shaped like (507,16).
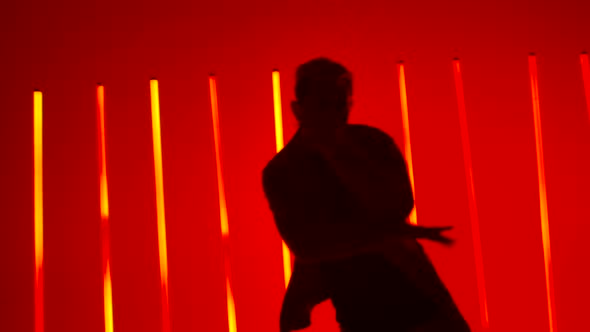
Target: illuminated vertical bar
(159,177)
(104,214)
(279,136)
(483,302)
(406,124)
(586,74)
(231,308)
(542,192)
(38,202)
(278,109)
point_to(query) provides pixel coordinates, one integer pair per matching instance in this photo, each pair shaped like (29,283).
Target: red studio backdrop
(499,149)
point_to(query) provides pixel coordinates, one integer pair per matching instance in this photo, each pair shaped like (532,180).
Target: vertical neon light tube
(542,192)
(278,108)
(161,216)
(38,201)
(278,111)
(586,74)
(406,123)
(483,302)
(231,308)
(104,214)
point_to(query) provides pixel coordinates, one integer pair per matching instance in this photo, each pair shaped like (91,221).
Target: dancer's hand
(436,234)
(430,233)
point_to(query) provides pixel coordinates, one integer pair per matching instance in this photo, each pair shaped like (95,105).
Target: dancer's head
(323,92)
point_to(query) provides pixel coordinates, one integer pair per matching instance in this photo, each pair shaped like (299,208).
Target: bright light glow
(108,299)
(220,185)
(286,263)
(406,123)
(483,302)
(278,111)
(542,192)
(38,199)
(278,108)
(157,139)
(586,74)
(104,198)
(231,308)
(104,214)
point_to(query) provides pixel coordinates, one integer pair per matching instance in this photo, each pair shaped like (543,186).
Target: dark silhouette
(340,195)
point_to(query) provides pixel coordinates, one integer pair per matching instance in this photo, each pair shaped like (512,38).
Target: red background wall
(65,47)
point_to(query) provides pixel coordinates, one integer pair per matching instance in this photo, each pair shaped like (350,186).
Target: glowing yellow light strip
(104,197)
(542,192)
(278,112)
(38,199)
(104,214)
(406,123)
(157,139)
(586,74)
(483,302)
(278,108)
(231,308)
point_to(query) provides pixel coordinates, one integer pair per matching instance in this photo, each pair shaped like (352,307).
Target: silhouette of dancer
(340,195)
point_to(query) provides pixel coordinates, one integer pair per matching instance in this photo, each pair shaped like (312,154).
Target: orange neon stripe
(159,177)
(586,74)
(483,302)
(38,199)
(104,215)
(278,112)
(406,123)
(542,192)
(231,308)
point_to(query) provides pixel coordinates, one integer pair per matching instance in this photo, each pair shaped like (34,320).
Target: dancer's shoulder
(368,133)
